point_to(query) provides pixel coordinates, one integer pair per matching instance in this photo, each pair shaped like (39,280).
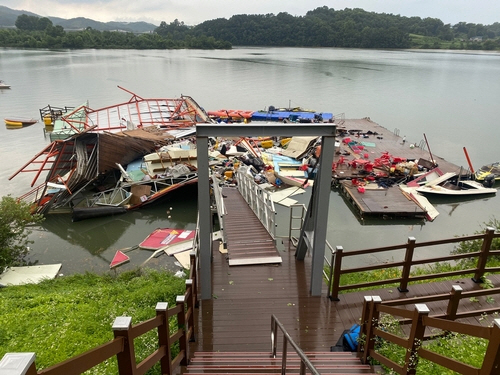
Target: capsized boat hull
(18,121)
(83,213)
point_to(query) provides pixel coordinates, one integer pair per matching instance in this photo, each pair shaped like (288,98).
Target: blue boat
(292,115)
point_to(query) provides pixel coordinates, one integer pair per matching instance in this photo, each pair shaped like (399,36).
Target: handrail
(293,218)
(339,119)
(287,339)
(220,205)
(420,321)
(122,346)
(338,255)
(259,200)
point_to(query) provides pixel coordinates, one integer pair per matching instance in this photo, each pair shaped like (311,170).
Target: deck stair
(253,363)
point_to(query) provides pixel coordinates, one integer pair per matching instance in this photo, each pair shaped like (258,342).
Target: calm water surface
(451,97)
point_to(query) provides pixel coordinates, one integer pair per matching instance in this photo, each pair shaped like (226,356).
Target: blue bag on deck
(350,338)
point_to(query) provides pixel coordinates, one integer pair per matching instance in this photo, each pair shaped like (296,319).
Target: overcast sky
(193,12)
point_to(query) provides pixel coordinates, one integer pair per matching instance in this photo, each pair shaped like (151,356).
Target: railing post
(190,309)
(410,247)
(18,364)
(126,358)
(483,256)
(194,277)
(274,339)
(373,321)
(182,324)
(415,339)
(335,279)
(491,362)
(364,322)
(164,338)
(330,273)
(456,294)
(284,355)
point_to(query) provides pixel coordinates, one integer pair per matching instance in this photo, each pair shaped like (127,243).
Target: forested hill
(326,27)
(321,27)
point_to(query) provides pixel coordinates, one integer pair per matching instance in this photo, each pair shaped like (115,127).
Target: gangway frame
(317,213)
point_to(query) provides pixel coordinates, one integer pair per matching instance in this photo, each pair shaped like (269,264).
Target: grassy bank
(61,318)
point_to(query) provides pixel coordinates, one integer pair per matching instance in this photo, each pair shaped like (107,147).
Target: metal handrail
(221,207)
(259,200)
(287,339)
(291,238)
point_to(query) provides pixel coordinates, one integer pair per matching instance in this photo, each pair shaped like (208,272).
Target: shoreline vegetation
(321,27)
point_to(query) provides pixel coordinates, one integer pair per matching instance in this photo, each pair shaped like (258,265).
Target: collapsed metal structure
(87,144)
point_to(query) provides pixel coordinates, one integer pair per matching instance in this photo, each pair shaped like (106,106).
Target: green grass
(429,42)
(61,318)
(463,348)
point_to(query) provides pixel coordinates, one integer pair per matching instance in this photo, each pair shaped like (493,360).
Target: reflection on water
(94,235)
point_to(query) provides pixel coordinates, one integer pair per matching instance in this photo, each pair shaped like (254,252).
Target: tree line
(36,32)
(322,27)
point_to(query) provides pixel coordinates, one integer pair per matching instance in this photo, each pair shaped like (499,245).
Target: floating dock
(381,202)
(362,142)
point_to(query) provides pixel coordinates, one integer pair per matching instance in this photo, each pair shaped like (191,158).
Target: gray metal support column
(317,219)
(205,218)
(321,203)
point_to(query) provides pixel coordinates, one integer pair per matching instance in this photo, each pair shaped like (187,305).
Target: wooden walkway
(238,317)
(248,241)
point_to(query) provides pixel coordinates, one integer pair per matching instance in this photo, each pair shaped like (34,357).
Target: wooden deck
(388,202)
(375,200)
(382,140)
(248,241)
(238,316)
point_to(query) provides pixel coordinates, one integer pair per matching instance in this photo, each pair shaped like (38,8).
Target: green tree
(15,217)
(43,23)
(25,22)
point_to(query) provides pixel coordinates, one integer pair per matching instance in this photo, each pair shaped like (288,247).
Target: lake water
(451,97)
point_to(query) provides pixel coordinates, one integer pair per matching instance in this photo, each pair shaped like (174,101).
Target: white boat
(449,185)
(3,85)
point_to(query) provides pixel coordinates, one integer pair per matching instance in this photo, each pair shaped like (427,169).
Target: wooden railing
(420,320)
(405,265)
(122,346)
(287,339)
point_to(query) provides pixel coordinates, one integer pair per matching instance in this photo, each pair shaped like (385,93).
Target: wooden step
(261,363)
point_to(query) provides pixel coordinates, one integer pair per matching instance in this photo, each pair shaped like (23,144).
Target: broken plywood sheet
(183,259)
(29,274)
(282,197)
(299,146)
